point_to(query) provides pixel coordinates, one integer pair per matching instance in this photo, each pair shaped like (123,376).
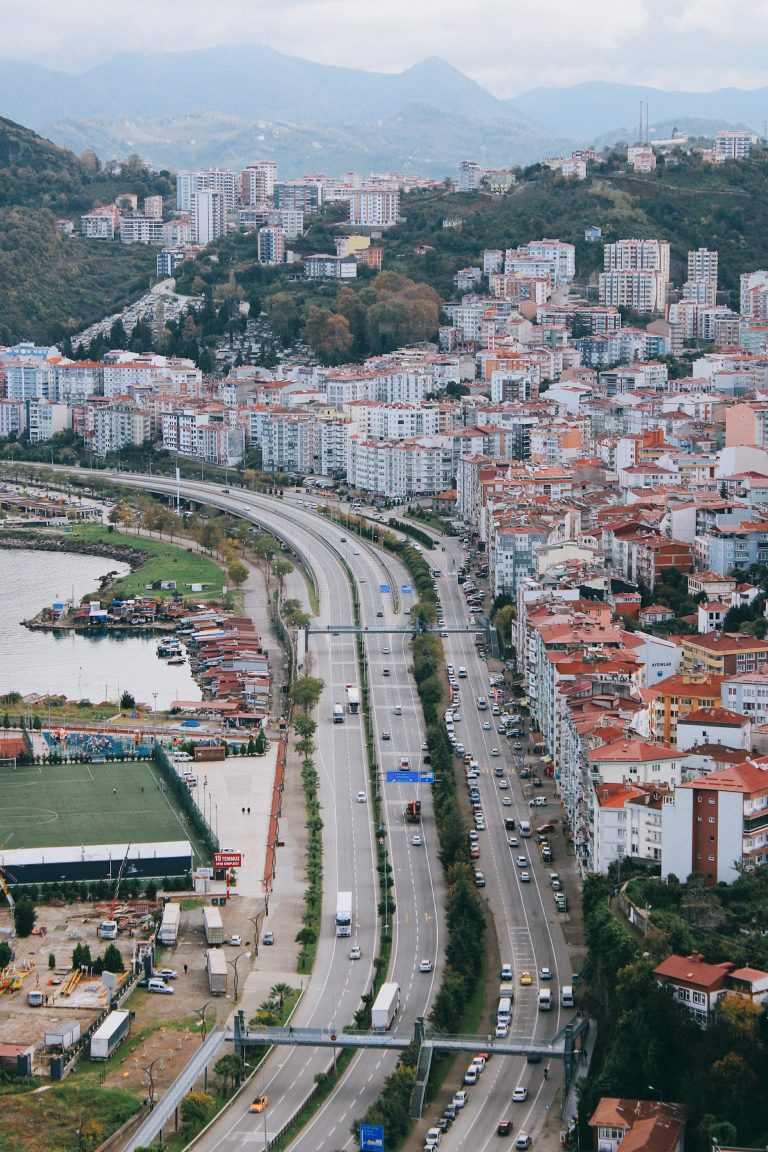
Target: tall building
(208,216)
(257,182)
(731,145)
(153,206)
(271,246)
(206,180)
(702,265)
(378,207)
(753,294)
(470,175)
(636,275)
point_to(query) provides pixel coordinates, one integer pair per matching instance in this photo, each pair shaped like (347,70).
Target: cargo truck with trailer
(216,964)
(168,932)
(109,1034)
(344,914)
(353,700)
(385,1007)
(214,928)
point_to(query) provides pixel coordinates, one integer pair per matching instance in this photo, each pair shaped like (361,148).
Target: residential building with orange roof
(724,653)
(717,825)
(638,1125)
(678,695)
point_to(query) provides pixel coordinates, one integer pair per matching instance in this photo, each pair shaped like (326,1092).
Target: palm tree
(279,992)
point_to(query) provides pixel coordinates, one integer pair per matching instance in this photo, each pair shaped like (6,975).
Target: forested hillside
(53,284)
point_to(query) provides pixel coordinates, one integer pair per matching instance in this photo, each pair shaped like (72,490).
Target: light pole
(148,1073)
(651,1088)
(256,921)
(203,1030)
(235,976)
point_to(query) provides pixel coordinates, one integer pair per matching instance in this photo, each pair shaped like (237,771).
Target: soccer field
(51,805)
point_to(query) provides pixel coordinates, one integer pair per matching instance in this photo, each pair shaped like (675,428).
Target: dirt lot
(68,925)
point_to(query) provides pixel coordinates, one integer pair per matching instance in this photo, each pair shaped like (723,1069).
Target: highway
(338,983)
(527,924)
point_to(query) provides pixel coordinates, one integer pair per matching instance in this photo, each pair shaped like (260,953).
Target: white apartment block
(116,426)
(730,145)
(323,266)
(208,216)
(470,175)
(153,206)
(626,255)
(374,207)
(141,230)
(747,693)
(641,290)
(98,225)
(753,295)
(703,265)
(401,421)
(13,417)
(45,419)
(560,256)
(291,220)
(206,180)
(176,233)
(399,470)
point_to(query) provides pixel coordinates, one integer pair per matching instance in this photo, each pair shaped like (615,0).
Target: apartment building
(733,145)
(271,245)
(677,696)
(625,824)
(208,218)
(747,694)
(470,175)
(717,825)
(299,195)
(141,230)
(100,224)
(257,182)
(636,275)
(117,425)
(220,180)
(322,266)
(724,654)
(638,1124)
(374,207)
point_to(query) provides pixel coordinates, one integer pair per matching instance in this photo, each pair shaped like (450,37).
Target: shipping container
(216,963)
(107,1037)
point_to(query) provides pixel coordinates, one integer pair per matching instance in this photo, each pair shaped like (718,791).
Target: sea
(81,667)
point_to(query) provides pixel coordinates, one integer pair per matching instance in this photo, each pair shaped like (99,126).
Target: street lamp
(256,921)
(203,1030)
(148,1072)
(235,975)
(651,1088)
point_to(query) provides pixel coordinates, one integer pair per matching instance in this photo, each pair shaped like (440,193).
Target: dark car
(537,782)
(504,1128)
(533,1058)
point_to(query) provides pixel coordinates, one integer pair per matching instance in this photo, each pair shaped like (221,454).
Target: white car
(354,952)
(459,1099)
(425,966)
(235,941)
(506,972)
(361,798)
(486,726)
(494,752)
(520,1095)
(502,1031)
(507,801)
(398,710)
(503,784)
(417,841)
(385,651)
(522,861)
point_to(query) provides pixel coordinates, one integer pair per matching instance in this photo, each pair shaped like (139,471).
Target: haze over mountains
(227,105)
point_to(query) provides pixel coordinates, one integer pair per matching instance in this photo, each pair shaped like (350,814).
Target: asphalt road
(337,983)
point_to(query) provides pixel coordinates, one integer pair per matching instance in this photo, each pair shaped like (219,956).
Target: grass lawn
(52,806)
(166,562)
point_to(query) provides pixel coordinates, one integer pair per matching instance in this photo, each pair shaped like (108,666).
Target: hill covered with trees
(53,284)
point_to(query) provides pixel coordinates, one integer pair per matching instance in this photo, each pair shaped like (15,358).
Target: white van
(462,673)
(545,1000)
(159,986)
(566,996)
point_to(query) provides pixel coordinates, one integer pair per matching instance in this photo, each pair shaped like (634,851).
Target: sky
(508,46)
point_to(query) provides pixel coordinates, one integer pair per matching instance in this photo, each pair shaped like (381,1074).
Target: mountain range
(231,105)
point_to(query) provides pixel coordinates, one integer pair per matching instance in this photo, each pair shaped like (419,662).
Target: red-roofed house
(638,1125)
(717,825)
(696,985)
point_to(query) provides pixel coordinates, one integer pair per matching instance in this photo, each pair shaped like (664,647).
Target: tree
(127,701)
(196,1108)
(230,1068)
(279,993)
(113,961)
(6,954)
(24,916)
(237,573)
(81,956)
(51,961)
(304,725)
(281,568)
(306,691)
(260,743)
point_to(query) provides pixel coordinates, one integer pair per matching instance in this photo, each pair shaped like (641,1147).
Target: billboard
(227,860)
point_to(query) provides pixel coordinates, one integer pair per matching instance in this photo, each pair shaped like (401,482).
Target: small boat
(168,648)
(177,658)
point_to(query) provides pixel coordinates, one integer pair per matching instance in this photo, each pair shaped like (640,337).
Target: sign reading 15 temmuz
(227,860)
(371,1138)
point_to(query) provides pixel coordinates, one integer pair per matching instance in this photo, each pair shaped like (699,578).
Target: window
(712,820)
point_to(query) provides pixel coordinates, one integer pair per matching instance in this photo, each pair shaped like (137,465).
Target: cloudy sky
(507,46)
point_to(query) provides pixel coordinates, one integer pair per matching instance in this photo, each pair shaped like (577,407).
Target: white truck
(214,928)
(344,914)
(168,932)
(385,1007)
(109,1034)
(216,963)
(353,699)
(338,714)
(504,1010)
